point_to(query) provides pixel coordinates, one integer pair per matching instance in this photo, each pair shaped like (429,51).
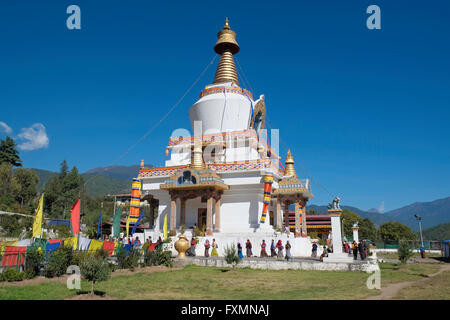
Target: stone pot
(181,245)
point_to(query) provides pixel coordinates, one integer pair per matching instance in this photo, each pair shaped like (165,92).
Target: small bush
(158,258)
(404,251)
(130,260)
(58,262)
(231,256)
(95,269)
(11,275)
(32,266)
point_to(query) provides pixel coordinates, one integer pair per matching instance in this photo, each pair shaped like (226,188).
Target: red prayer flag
(75,217)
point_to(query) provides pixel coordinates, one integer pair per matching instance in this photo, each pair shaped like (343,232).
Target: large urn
(181,245)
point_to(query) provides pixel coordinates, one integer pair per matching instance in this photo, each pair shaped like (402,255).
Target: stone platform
(275,264)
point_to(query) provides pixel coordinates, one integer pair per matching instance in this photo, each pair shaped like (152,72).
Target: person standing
(207,246)
(288,251)
(272,249)
(355,250)
(366,249)
(361,250)
(248,246)
(263,249)
(192,249)
(239,246)
(280,249)
(214,246)
(314,250)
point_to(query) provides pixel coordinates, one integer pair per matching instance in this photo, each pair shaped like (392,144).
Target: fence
(415,244)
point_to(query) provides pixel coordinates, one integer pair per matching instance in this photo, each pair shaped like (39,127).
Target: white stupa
(221,177)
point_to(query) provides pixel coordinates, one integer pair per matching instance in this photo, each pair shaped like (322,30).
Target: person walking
(288,251)
(239,246)
(355,250)
(280,249)
(214,246)
(207,246)
(248,246)
(263,249)
(272,249)
(192,249)
(314,250)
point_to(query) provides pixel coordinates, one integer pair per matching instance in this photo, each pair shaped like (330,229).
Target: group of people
(362,248)
(276,249)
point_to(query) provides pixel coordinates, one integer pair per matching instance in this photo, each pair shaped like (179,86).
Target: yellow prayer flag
(128,225)
(165,227)
(37,223)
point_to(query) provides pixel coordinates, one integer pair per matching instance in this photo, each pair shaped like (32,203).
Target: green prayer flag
(116,223)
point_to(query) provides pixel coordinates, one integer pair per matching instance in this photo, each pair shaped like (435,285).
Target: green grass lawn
(436,288)
(194,282)
(394,255)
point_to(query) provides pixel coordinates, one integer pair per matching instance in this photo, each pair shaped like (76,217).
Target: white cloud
(381,207)
(5,128)
(34,137)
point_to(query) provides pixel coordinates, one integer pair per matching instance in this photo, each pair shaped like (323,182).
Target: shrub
(58,262)
(158,258)
(404,251)
(95,269)
(182,229)
(12,274)
(130,260)
(32,266)
(231,256)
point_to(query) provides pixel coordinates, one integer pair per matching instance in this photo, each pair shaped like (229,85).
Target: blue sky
(365,112)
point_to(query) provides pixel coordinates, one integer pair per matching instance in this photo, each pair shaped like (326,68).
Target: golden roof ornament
(290,169)
(197,157)
(226,46)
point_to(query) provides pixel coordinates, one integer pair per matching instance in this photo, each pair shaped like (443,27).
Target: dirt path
(391,290)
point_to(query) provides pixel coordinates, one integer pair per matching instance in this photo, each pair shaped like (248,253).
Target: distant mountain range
(101,181)
(433,213)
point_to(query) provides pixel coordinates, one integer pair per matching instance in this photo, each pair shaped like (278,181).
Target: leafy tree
(94,269)
(8,183)
(349,218)
(27,180)
(392,232)
(62,190)
(9,153)
(404,251)
(231,256)
(367,229)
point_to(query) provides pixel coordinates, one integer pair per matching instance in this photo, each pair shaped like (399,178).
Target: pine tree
(9,153)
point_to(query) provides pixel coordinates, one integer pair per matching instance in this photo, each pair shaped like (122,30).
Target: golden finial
(197,157)
(289,170)
(226,46)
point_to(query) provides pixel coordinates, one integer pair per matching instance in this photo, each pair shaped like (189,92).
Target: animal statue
(335,204)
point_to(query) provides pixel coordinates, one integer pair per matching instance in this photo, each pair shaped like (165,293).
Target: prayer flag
(37,223)
(99,228)
(75,217)
(116,223)
(165,227)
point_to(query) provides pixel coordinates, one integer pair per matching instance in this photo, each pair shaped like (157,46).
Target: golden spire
(289,170)
(226,46)
(197,157)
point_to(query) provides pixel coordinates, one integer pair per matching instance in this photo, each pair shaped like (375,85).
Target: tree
(392,232)
(95,269)
(231,256)
(62,190)
(404,251)
(349,218)
(367,229)
(8,187)
(27,180)
(9,153)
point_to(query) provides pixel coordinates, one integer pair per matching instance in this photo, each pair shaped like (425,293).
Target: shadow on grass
(96,292)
